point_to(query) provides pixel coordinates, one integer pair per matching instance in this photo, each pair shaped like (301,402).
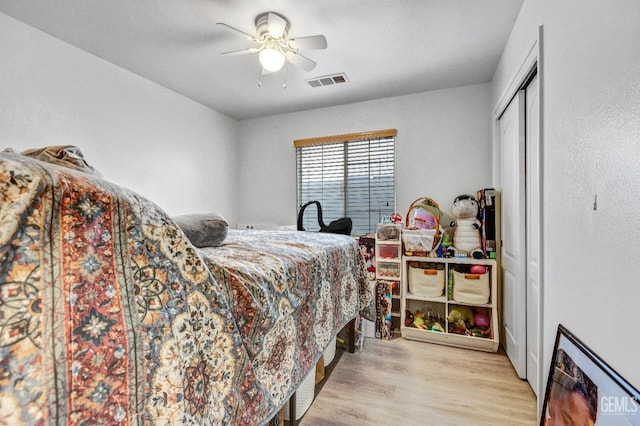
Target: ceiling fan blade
(310,42)
(241,51)
(276,25)
(300,61)
(237,31)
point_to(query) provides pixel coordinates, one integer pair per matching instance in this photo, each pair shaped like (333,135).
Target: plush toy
(460,313)
(466,234)
(396,218)
(408,318)
(418,320)
(437,327)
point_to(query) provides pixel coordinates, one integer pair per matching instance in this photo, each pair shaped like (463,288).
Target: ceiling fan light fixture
(271,59)
(273,45)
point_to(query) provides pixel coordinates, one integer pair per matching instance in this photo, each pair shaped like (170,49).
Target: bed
(110,315)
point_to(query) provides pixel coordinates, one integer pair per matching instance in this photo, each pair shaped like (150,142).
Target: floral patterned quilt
(291,293)
(108,315)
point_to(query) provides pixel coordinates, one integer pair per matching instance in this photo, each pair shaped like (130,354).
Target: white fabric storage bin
(471,288)
(330,352)
(426,282)
(368,328)
(304,395)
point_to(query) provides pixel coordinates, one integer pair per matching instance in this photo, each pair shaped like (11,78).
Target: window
(351,175)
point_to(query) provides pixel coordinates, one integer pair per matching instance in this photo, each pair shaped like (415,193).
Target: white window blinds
(351,175)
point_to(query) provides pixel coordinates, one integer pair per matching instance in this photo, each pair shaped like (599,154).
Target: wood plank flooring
(404,382)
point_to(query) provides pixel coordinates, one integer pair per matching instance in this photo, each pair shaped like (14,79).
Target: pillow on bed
(203,230)
(62,155)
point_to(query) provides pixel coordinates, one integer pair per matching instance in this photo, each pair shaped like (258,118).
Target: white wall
(162,145)
(591,112)
(443,149)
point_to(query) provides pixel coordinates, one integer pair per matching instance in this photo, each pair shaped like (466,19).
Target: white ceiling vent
(328,80)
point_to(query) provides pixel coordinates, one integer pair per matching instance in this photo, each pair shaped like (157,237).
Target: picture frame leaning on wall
(583,389)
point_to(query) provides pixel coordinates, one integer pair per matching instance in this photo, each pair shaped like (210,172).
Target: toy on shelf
(367,248)
(443,249)
(487,216)
(481,320)
(396,218)
(423,232)
(418,320)
(384,326)
(478,269)
(408,318)
(463,320)
(466,227)
(461,313)
(424,321)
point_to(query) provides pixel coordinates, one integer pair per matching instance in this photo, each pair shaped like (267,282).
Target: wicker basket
(426,281)
(471,288)
(423,232)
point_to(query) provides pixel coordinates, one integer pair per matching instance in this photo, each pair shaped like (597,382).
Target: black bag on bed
(338,226)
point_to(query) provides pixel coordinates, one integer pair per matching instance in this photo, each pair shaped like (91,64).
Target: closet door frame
(533,62)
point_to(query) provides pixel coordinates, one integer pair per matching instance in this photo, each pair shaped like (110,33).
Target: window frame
(343,140)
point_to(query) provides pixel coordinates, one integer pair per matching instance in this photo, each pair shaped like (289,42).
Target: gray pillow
(203,230)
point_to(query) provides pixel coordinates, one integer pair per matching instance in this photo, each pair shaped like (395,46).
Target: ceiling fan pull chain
(284,76)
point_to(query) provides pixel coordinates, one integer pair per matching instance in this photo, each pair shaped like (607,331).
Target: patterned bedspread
(108,315)
(291,293)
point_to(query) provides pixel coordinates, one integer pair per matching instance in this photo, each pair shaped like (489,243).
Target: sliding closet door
(534,199)
(511,126)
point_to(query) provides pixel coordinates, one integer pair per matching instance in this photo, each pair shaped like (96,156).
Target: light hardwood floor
(404,382)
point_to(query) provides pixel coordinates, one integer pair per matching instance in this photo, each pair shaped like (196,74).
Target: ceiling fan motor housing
(262,25)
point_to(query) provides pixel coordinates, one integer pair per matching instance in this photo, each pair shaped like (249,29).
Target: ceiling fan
(274,46)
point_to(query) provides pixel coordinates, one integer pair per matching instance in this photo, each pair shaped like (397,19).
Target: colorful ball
(481,320)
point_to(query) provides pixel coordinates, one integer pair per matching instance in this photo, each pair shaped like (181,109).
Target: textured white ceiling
(385,47)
